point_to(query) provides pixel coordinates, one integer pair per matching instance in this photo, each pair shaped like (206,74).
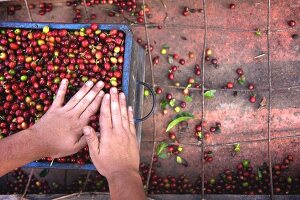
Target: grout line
(203,101)
(297,136)
(153,116)
(233,90)
(152,25)
(269,96)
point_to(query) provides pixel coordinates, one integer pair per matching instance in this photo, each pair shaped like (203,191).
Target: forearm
(18,150)
(126,185)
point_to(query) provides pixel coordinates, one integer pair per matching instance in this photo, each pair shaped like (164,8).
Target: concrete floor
(232,39)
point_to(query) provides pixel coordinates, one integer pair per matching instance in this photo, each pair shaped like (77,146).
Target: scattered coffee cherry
(165,111)
(183,104)
(230,85)
(174,68)
(171,76)
(251,86)
(191,55)
(207,58)
(208,52)
(139,40)
(172,136)
(185,13)
(191,81)
(158,90)
(232,6)
(177,84)
(155,60)
(175,56)
(146,93)
(214,61)
(186,92)
(239,71)
(182,61)
(292,23)
(197,70)
(212,129)
(252,99)
(163,51)
(31,6)
(177,109)
(169,96)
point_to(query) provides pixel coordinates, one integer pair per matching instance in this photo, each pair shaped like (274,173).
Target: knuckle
(105,116)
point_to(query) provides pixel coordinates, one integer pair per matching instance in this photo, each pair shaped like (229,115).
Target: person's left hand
(60,129)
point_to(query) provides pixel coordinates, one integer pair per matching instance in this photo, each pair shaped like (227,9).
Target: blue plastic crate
(127,76)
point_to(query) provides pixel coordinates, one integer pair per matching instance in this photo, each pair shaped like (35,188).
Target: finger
(79,95)
(131,120)
(88,99)
(123,109)
(91,139)
(92,108)
(81,143)
(115,108)
(60,96)
(105,114)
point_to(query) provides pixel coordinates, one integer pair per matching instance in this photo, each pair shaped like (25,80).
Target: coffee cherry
(252,99)
(292,23)
(230,85)
(158,90)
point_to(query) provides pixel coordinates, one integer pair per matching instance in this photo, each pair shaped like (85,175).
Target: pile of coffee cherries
(33,63)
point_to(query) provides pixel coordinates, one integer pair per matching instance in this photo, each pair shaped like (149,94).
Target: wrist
(122,174)
(37,146)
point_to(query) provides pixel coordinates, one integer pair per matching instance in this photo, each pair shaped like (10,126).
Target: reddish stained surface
(241,120)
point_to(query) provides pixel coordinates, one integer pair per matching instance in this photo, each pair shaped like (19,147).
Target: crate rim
(70,26)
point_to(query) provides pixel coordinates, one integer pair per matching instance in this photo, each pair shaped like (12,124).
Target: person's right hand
(115,152)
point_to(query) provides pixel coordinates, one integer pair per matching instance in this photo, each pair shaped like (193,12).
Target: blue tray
(125,77)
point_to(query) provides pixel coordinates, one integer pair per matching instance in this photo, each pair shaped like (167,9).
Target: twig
(28,183)
(163,3)
(261,55)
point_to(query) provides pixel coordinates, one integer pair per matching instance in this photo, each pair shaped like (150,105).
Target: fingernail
(114,90)
(89,83)
(122,95)
(86,130)
(107,96)
(64,81)
(100,84)
(101,93)
(130,108)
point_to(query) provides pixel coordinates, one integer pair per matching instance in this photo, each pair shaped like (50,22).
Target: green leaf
(170,59)
(165,46)
(161,148)
(163,104)
(179,118)
(44,173)
(163,155)
(172,102)
(181,161)
(188,98)
(210,94)
(241,80)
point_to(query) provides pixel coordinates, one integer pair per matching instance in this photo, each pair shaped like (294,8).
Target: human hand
(60,130)
(115,152)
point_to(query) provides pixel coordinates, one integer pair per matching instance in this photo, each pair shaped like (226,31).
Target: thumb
(91,138)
